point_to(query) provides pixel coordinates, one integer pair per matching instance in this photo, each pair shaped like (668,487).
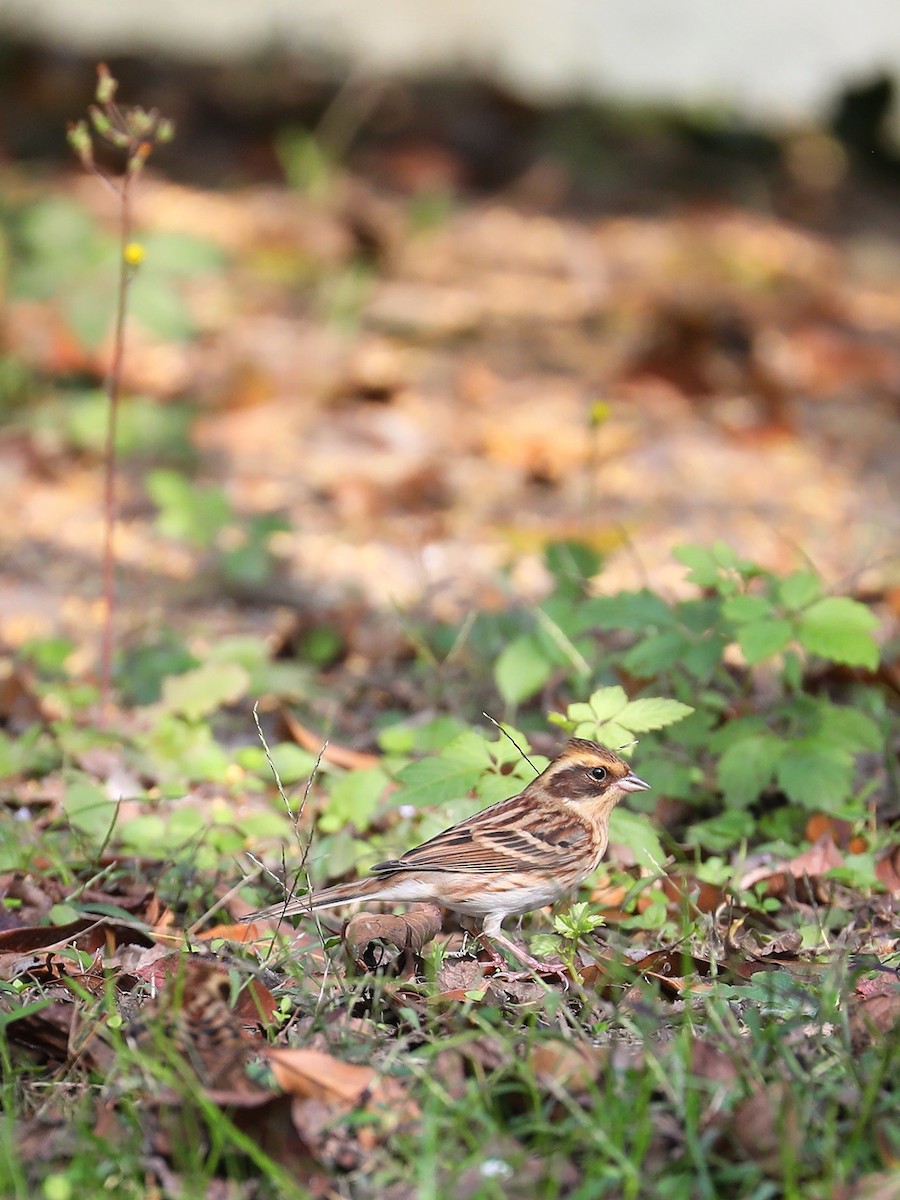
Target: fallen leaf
(812,863)
(765,1127)
(874,1010)
(340,756)
(888,870)
(370,938)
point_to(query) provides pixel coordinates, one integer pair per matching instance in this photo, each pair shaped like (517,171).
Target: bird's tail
(341,893)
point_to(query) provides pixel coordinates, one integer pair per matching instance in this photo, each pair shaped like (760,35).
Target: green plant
(239,546)
(133,133)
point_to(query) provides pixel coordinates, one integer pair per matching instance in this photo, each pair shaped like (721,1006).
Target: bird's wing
(505,837)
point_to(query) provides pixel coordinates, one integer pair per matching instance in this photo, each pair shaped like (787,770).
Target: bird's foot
(535,967)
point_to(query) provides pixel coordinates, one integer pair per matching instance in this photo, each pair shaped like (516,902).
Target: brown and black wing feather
(491,841)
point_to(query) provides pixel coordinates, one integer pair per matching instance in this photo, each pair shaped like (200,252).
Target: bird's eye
(599,773)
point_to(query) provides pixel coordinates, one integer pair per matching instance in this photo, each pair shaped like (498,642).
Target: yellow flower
(134,254)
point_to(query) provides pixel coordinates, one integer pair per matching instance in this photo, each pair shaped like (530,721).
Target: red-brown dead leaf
(874,1010)
(312,1073)
(58,1034)
(192,1014)
(231,933)
(256,1006)
(822,856)
(314,1076)
(888,870)
(340,756)
(765,1128)
(370,938)
(709,1062)
(569,1067)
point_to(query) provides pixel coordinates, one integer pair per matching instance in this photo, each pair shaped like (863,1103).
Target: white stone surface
(776,59)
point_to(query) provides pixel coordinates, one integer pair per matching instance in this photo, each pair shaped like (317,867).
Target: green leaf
(638,611)
(450,776)
(849,728)
(521,670)
(89,809)
(722,831)
(652,712)
(607,703)
(292,762)
(196,515)
(816,775)
(747,767)
(703,564)
(656,653)
(840,629)
(635,830)
(799,589)
(203,691)
(746,608)
(354,800)
(759,640)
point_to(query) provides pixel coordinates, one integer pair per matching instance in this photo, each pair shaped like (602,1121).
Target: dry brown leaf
(811,863)
(312,1073)
(566,1066)
(709,1062)
(371,937)
(59,1035)
(341,756)
(192,1013)
(874,1010)
(765,1127)
(888,870)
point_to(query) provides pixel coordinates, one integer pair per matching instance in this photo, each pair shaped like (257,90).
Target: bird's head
(586,773)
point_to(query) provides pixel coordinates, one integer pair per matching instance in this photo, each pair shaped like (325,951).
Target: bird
(520,854)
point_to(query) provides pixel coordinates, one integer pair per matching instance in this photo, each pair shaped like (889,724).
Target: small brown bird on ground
(518,855)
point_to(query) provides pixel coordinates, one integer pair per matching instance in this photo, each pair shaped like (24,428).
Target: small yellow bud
(134,254)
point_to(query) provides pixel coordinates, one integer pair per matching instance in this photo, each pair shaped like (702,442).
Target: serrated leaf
(607,703)
(850,729)
(652,712)
(638,611)
(816,775)
(610,733)
(704,569)
(204,690)
(434,781)
(747,767)
(746,608)
(656,653)
(799,589)
(722,831)
(635,830)
(521,670)
(840,629)
(759,640)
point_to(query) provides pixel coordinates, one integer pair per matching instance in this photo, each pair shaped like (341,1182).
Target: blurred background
(425,290)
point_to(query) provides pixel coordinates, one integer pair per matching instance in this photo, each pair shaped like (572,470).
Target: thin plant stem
(110,465)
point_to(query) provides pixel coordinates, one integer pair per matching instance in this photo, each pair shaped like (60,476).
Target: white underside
(494,907)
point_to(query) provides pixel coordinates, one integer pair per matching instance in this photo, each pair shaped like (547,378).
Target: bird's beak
(631,783)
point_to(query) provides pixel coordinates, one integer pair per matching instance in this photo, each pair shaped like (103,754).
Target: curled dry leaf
(371,938)
(340,756)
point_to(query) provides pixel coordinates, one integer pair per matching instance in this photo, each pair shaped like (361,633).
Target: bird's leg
(536,967)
